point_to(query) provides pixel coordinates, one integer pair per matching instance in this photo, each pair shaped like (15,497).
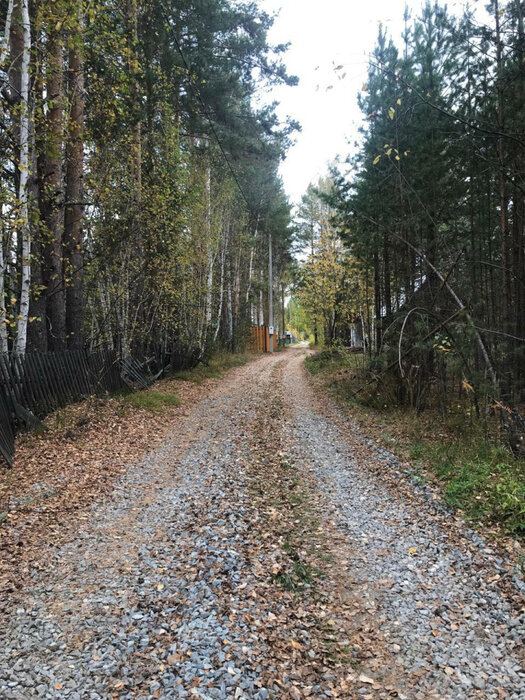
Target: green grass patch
(152,400)
(214,368)
(482,479)
(298,576)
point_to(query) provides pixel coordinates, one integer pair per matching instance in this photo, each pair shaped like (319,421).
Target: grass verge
(214,368)
(481,478)
(477,473)
(152,400)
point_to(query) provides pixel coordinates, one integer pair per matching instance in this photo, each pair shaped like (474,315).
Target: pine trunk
(51,194)
(74,194)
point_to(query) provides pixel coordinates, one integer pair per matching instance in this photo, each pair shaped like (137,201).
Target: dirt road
(265,551)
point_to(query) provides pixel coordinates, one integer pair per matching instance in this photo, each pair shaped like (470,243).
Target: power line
(212,124)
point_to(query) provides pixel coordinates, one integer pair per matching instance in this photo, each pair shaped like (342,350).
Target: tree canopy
(139,176)
(431,207)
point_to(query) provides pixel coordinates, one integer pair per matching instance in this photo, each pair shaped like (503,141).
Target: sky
(325,34)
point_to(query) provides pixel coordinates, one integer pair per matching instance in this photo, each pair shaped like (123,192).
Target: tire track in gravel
(330,641)
(440,606)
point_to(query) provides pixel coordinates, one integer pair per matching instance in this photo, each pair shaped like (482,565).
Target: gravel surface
(164,592)
(439,606)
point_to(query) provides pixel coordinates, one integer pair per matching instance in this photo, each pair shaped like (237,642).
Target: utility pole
(270,290)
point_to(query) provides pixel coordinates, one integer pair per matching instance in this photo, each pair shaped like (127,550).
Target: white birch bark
(221,290)
(3,326)
(261,309)
(4,48)
(250,275)
(209,279)
(23,312)
(229,314)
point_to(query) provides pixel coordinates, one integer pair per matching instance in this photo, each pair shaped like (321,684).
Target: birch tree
(25,231)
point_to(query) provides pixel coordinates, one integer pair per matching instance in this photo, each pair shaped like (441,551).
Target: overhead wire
(206,113)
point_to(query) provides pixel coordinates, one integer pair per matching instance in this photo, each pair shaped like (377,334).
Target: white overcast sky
(324,34)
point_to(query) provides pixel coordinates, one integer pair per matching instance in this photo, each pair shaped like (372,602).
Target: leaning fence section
(37,384)
(42,382)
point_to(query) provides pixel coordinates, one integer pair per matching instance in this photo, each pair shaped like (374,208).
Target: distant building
(356,334)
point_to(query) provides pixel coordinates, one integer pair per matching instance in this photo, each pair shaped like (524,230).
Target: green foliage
(294,579)
(332,293)
(482,479)
(478,474)
(178,170)
(330,360)
(420,204)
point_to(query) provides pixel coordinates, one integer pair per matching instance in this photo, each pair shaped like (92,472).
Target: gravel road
(171,588)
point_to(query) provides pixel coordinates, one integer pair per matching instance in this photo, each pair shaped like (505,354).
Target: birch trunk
(3,326)
(4,50)
(261,309)
(250,275)
(221,289)
(250,270)
(229,311)
(237,289)
(21,336)
(209,279)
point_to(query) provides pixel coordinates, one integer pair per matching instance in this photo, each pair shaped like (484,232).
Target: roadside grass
(156,399)
(300,574)
(214,368)
(334,360)
(481,478)
(152,400)
(477,472)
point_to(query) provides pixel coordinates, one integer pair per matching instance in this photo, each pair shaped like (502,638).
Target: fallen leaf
(363,678)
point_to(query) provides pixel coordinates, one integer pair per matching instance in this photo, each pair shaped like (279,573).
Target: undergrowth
(481,478)
(214,368)
(478,473)
(334,359)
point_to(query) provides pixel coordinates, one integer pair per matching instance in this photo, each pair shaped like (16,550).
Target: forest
(138,177)
(416,239)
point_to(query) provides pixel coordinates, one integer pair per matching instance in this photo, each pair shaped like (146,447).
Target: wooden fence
(38,383)
(259,339)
